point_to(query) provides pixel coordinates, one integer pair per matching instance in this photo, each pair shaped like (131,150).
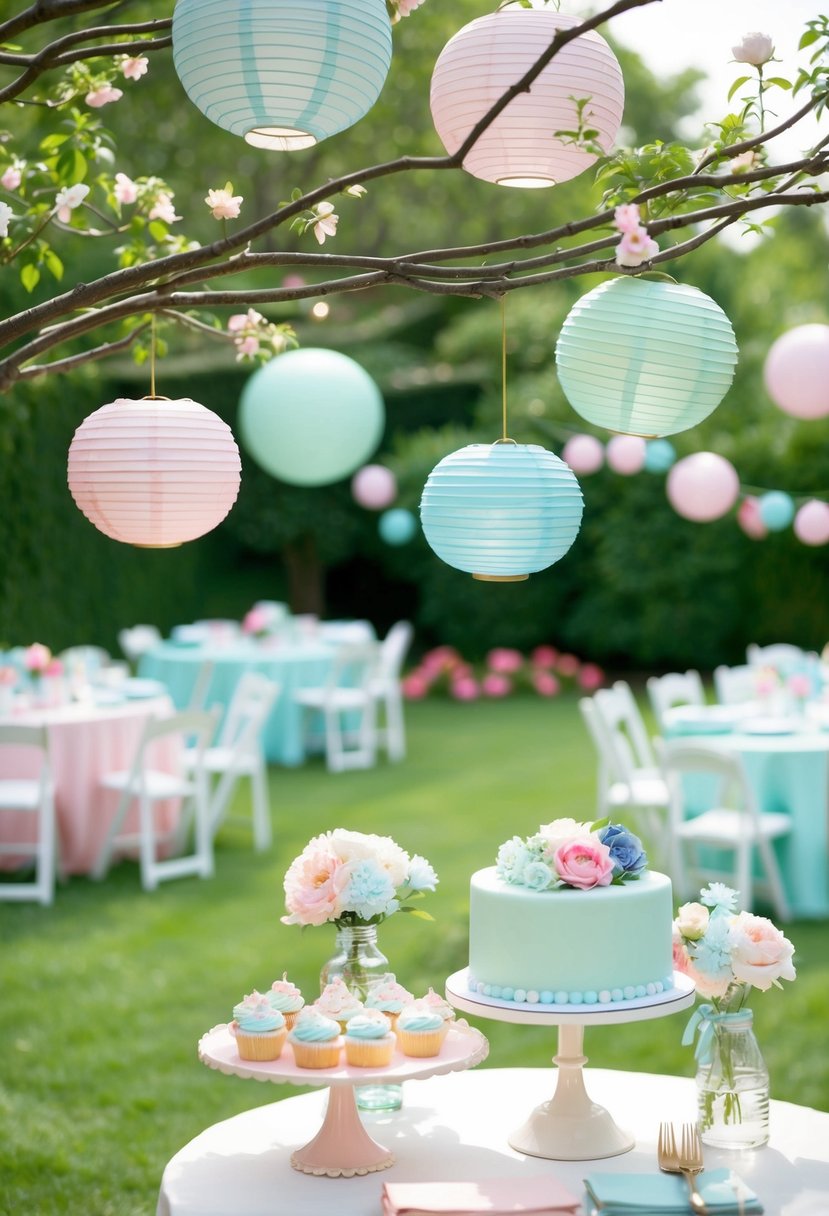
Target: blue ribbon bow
(705,1019)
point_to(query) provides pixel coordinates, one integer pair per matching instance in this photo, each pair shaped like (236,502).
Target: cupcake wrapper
(375,1053)
(265,1046)
(425,1044)
(317,1055)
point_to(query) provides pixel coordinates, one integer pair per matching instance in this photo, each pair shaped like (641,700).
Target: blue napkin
(664,1194)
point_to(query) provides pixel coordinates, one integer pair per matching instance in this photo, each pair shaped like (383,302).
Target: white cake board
(570,1127)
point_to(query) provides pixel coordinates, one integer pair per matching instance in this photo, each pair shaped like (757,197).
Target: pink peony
(584,863)
(465,689)
(505,660)
(37,657)
(310,894)
(567,665)
(415,686)
(760,954)
(102,96)
(544,656)
(546,684)
(11,178)
(125,189)
(496,685)
(590,677)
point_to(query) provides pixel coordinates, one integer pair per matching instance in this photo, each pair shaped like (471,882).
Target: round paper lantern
(154,472)
(501,511)
(702,487)
(796,371)
(310,417)
(811,524)
(519,148)
(776,510)
(748,517)
(374,487)
(397,527)
(659,456)
(283,74)
(626,454)
(645,357)
(583,453)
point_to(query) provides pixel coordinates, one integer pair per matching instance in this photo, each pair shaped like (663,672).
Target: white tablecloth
(456,1127)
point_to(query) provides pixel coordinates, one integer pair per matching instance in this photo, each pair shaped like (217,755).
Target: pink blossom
(102,96)
(37,657)
(247,347)
(544,656)
(67,199)
(590,677)
(584,864)
(310,895)
(567,665)
(545,684)
(760,954)
(406,7)
(800,685)
(134,66)
(744,162)
(626,217)
(415,686)
(125,189)
(635,247)
(326,223)
(465,689)
(11,178)
(255,621)
(223,204)
(755,48)
(244,320)
(496,685)
(439,658)
(505,660)
(163,208)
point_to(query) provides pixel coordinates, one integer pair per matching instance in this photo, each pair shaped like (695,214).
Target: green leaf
(808,38)
(158,230)
(418,912)
(29,276)
(780,81)
(52,141)
(738,83)
(71,165)
(599,824)
(53,264)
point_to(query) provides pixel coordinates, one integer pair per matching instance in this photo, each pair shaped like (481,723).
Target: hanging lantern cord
(504,437)
(153,395)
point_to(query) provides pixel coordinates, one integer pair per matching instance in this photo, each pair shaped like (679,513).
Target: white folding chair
(347,694)
(675,688)
(146,785)
(239,752)
(734,685)
(781,655)
(735,822)
(201,685)
(31,796)
(387,691)
(137,640)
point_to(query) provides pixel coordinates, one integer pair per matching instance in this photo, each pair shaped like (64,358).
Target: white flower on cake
(567,853)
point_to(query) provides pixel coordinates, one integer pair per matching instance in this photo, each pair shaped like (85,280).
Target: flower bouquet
(727,953)
(565,853)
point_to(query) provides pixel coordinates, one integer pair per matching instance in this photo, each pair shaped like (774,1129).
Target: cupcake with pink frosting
(260,1030)
(438,1004)
(335,1001)
(389,997)
(287,998)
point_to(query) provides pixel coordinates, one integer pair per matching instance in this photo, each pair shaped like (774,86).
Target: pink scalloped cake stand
(342,1147)
(570,1127)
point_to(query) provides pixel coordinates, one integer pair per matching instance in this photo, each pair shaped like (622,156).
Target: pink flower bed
(546,671)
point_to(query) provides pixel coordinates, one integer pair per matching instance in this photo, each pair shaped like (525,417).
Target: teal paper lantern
(397,527)
(644,357)
(283,74)
(776,510)
(659,456)
(501,512)
(311,417)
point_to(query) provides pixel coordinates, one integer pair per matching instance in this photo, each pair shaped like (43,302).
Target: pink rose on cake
(558,833)
(584,864)
(569,853)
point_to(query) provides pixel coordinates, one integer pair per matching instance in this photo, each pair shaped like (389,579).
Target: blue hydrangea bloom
(421,876)
(370,890)
(712,953)
(538,876)
(626,850)
(513,857)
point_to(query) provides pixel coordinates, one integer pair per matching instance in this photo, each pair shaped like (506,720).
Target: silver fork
(685,1160)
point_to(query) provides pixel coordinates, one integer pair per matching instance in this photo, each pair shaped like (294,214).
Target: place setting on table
(544,926)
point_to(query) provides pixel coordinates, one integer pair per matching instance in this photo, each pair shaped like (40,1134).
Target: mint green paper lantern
(311,416)
(501,511)
(646,358)
(283,74)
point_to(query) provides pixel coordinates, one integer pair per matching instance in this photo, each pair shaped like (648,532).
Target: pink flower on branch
(755,48)
(134,66)
(326,222)
(11,178)
(163,208)
(626,217)
(635,248)
(102,96)
(67,199)
(224,205)
(125,189)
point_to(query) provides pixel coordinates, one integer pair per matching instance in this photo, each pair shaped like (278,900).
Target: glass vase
(733,1084)
(360,963)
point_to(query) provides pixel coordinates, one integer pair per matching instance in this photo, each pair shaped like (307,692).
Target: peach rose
(310,894)
(692,921)
(760,954)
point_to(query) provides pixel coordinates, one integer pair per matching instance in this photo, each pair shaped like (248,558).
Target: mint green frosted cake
(570,916)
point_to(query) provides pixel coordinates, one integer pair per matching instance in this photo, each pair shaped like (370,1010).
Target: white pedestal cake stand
(570,1127)
(342,1147)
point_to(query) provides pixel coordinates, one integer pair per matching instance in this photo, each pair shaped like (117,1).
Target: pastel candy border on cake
(603,997)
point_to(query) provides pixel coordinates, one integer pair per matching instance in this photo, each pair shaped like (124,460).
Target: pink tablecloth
(86,741)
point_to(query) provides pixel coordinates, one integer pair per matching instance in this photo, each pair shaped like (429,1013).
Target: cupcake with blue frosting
(316,1040)
(420,1031)
(389,997)
(335,1001)
(260,1030)
(369,1043)
(287,998)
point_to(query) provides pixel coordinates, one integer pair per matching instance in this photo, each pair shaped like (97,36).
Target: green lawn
(103,997)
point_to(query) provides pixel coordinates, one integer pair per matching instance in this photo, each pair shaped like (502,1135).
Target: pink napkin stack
(540,1196)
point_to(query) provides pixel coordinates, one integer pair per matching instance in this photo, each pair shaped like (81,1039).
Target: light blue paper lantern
(645,358)
(659,456)
(397,527)
(501,511)
(283,74)
(311,417)
(776,510)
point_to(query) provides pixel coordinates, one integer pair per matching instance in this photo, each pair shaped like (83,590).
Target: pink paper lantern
(797,371)
(583,453)
(154,472)
(374,487)
(811,524)
(626,454)
(520,148)
(750,519)
(702,487)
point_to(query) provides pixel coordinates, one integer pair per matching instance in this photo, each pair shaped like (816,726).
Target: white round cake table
(342,1147)
(570,1126)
